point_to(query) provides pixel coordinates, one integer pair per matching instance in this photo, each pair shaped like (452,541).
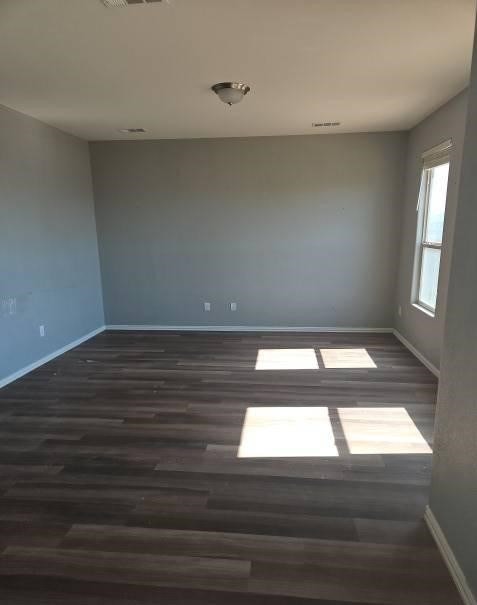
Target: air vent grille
(122,3)
(325,124)
(131,130)
(115,3)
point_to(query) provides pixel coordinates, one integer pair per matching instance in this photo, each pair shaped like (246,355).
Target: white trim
(430,366)
(420,307)
(449,558)
(47,358)
(167,328)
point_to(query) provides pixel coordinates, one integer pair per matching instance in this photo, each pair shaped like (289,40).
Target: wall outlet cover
(8,306)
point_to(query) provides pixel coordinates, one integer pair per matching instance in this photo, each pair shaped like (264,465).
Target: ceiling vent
(325,124)
(122,3)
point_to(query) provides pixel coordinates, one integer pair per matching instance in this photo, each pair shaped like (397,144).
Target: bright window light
(287,432)
(430,226)
(346,358)
(381,431)
(286,359)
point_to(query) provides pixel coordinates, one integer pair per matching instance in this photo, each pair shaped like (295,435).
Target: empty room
(238,302)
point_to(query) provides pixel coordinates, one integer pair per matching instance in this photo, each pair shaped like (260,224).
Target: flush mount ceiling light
(231,92)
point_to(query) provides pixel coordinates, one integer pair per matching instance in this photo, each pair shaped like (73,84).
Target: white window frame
(441,154)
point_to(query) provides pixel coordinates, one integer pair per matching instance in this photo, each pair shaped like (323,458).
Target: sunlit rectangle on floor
(346,358)
(287,432)
(381,431)
(286,359)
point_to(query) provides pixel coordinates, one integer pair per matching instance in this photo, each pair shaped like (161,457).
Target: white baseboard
(449,558)
(430,366)
(47,358)
(245,328)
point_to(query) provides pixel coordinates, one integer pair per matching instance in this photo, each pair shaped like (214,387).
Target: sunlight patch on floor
(381,431)
(346,358)
(287,432)
(286,359)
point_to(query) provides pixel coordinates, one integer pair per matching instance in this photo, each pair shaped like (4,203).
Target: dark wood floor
(120,481)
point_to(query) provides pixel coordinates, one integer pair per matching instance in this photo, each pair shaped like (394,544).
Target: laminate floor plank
(208,468)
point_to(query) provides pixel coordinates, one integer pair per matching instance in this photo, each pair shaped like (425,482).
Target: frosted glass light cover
(231,92)
(230,95)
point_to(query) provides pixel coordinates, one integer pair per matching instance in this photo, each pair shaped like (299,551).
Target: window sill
(424,310)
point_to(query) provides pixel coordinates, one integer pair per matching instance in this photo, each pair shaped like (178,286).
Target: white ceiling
(372,64)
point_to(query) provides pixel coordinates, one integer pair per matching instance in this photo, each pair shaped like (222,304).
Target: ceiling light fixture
(231,92)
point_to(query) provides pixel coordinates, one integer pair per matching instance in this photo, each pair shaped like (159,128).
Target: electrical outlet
(233,306)
(207,306)
(42,331)
(8,306)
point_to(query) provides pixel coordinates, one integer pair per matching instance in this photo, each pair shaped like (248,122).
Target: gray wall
(299,231)
(454,481)
(423,331)
(48,248)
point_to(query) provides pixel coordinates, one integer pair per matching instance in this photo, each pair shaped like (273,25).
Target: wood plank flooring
(123,479)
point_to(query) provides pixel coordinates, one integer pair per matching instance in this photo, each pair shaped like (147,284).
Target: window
(431,211)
